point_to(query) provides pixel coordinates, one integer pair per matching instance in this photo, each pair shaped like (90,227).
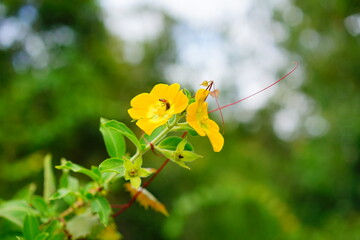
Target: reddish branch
(123,207)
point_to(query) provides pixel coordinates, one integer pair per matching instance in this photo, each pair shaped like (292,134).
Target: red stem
(123,207)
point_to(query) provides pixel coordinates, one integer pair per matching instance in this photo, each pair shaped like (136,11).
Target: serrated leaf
(146,139)
(114,140)
(170,143)
(31,227)
(15,211)
(146,199)
(124,130)
(112,165)
(101,206)
(49,178)
(77,168)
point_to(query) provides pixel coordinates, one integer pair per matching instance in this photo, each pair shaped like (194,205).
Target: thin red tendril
(285,76)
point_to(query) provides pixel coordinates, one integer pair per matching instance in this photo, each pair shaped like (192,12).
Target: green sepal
(134,172)
(180,156)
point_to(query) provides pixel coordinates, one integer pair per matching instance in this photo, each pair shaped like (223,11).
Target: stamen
(164,101)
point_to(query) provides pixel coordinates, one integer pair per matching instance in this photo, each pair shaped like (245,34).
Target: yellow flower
(198,118)
(155,108)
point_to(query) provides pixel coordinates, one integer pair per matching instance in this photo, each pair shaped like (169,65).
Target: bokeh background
(290,167)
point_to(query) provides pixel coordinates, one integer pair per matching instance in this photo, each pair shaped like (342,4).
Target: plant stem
(123,207)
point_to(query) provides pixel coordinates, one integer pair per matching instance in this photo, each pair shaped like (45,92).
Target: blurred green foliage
(263,188)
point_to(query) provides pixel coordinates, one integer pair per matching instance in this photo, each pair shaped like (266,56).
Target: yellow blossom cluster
(154,109)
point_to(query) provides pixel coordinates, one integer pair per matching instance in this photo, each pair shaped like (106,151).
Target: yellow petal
(212,125)
(149,125)
(137,113)
(179,102)
(201,94)
(172,91)
(143,100)
(192,120)
(216,139)
(164,91)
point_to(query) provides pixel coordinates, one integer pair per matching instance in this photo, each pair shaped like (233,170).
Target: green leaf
(42,236)
(112,165)
(170,143)
(77,168)
(26,193)
(146,139)
(49,178)
(20,238)
(31,227)
(187,93)
(188,128)
(68,182)
(191,131)
(15,211)
(54,229)
(40,205)
(82,225)
(61,193)
(101,206)
(108,177)
(124,130)
(114,140)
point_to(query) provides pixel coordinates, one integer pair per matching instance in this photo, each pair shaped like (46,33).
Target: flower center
(178,156)
(133,173)
(165,103)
